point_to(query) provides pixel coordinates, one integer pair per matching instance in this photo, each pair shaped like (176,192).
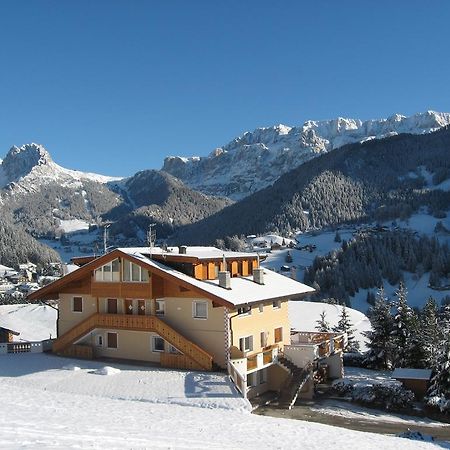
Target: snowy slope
(33,322)
(256,159)
(49,407)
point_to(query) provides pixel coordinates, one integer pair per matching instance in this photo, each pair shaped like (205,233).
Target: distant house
(195,308)
(416,380)
(7,335)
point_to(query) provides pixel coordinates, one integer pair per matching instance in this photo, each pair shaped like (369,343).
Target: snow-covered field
(72,225)
(33,322)
(51,407)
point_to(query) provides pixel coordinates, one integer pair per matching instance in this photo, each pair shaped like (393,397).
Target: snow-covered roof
(243,289)
(412,374)
(191,251)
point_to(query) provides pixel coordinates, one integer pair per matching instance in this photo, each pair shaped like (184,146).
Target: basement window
(157,344)
(111,339)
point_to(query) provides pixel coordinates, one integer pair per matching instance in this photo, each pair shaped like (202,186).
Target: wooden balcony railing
(201,359)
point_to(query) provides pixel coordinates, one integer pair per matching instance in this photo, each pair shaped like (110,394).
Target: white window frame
(154,349)
(244,348)
(117,340)
(173,350)
(99,340)
(264,337)
(142,271)
(73,304)
(194,309)
(162,311)
(101,270)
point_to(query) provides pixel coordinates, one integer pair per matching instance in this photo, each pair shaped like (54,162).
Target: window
(264,336)
(261,308)
(246,344)
(261,376)
(173,350)
(108,272)
(99,340)
(200,310)
(245,310)
(278,334)
(134,273)
(160,307)
(111,339)
(77,304)
(157,344)
(276,304)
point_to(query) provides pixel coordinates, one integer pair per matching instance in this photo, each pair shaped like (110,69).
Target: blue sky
(115,86)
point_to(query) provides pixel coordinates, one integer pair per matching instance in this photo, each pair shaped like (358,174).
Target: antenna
(105,238)
(151,237)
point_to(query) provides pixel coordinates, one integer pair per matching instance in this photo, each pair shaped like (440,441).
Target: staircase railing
(136,323)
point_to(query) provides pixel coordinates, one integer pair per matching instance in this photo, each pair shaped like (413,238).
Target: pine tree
(431,332)
(380,341)
(322,324)
(440,382)
(405,324)
(345,326)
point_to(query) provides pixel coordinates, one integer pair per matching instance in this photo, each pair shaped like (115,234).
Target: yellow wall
(135,345)
(209,334)
(256,322)
(67,318)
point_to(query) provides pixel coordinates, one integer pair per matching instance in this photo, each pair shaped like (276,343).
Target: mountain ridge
(256,159)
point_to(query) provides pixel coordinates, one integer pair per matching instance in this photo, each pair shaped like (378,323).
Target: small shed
(6,335)
(416,380)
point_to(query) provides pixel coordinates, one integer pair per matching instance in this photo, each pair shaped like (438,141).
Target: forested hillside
(374,180)
(17,246)
(156,197)
(364,261)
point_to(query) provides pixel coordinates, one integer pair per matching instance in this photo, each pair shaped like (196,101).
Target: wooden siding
(117,289)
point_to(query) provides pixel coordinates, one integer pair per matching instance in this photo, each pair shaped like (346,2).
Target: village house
(193,308)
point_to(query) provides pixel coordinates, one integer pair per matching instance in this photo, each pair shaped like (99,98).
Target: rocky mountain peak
(20,161)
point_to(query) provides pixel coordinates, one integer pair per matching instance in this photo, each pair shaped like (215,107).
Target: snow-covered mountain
(28,167)
(256,159)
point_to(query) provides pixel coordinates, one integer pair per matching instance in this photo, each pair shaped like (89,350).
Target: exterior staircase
(192,356)
(294,384)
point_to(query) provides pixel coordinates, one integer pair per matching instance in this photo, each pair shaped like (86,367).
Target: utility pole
(105,238)
(151,237)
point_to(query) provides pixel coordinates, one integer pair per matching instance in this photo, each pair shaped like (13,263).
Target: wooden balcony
(325,344)
(194,356)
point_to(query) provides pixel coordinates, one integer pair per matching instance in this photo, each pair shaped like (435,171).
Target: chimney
(224,275)
(182,249)
(258,275)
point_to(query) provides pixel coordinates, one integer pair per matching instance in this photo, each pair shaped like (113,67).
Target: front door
(112,306)
(128,306)
(141,307)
